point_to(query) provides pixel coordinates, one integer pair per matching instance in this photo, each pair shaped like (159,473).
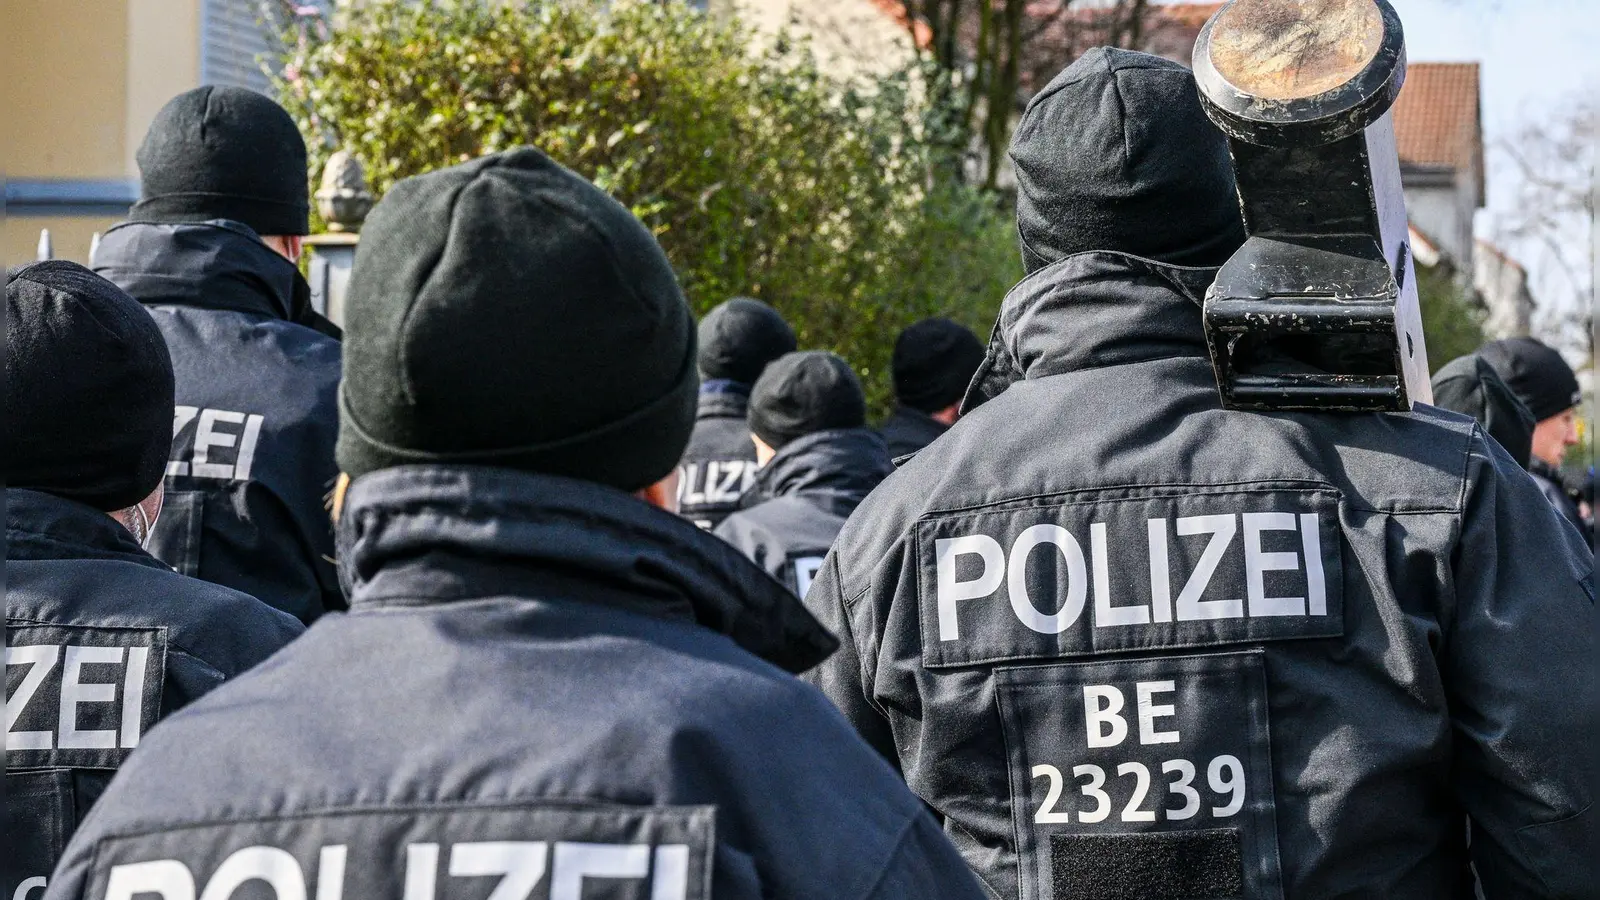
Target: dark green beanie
(506,312)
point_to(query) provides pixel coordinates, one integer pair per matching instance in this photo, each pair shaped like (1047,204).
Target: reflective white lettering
(28,885)
(1160,574)
(805,571)
(75,691)
(576,861)
(330,872)
(1149,711)
(1017,579)
(1104,613)
(1222,528)
(41,659)
(1257,563)
(247,448)
(671,878)
(269,864)
(181,416)
(1316,583)
(1103,723)
(207,436)
(133,696)
(949,590)
(522,863)
(422,871)
(167,877)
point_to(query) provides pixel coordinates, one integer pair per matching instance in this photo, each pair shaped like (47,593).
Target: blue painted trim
(71,197)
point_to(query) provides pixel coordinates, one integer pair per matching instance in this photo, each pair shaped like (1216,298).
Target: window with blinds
(236,40)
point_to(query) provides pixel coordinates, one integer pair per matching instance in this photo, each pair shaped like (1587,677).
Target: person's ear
(288,246)
(663,494)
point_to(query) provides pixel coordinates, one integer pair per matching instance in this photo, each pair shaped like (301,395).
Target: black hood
(424,534)
(1092,310)
(841,463)
(1471,386)
(44,526)
(1116,154)
(219,265)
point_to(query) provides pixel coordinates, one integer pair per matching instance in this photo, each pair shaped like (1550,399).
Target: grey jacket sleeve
(924,864)
(840,677)
(1518,663)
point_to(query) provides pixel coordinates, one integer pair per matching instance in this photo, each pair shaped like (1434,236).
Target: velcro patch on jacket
(533,851)
(1142,778)
(80,696)
(1129,569)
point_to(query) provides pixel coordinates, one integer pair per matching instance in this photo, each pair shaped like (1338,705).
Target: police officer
(544,687)
(210,249)
(1469,385)
(101,638)
(737,340)
(818,462)
(1544,383)
(932,365)
(1131,644)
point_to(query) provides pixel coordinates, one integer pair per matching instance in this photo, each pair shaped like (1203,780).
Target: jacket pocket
(39,818)
(177,537)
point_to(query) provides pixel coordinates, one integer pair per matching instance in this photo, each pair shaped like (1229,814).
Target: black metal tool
(1318,309)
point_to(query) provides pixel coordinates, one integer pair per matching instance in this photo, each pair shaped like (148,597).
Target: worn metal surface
(1295,49)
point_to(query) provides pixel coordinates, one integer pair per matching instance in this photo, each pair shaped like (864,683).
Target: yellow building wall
(63,67)
(19,237)
(80,82)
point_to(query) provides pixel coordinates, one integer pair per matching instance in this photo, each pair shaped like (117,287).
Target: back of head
(506,312)
(89,388)
(218,152)
(1469,385)
(934,361)
(804,393)
(1117,154)
(740,337)
(1537,374)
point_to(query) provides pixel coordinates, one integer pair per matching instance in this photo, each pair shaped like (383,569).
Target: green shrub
(759,174)
(1452,322)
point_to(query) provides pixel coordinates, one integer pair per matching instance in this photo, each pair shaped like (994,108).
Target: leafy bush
(1452,321)
(758,173)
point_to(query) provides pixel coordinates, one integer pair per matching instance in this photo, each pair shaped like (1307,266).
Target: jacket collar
(44,526)
(721,399)
(433,534)
(1090,310)
(210,265)
(846,463)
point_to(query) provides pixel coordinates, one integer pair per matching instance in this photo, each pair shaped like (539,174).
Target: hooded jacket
(909,430)
(1129,643)
(1470,386)
(540,680)
(102,641)
(801,499)
(719,465)
(253,432)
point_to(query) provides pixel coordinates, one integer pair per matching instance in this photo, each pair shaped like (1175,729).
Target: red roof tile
(1436,119)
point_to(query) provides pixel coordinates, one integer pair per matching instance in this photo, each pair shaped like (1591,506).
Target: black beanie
(88,388)
(739,338)
(506,312)
(1538,375)
(934,361)
(1116,154)
(220,152)
(1470,386)
(803,393)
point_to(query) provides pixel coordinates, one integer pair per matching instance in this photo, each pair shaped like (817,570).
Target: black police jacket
(1551,485)
(719,464)
(801,499)
(101,641)
(909,430)
(543,687)
(253,433)
(1129,643)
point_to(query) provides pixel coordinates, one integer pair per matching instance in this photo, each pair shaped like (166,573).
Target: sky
(1538,58)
